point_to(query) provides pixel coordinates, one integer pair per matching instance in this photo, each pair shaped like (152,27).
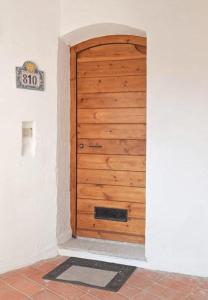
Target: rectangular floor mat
(93,273)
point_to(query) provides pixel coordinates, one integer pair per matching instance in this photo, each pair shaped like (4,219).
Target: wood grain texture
(122,178)
(112,52)
(111,100)
(133,226)
(135,210)
(107,192)
(112,131)
(111,68)
(112,84)
(111,162)
(111,39)
(113,116)
(109,88)
(101,146)
(115,236)
(73,141)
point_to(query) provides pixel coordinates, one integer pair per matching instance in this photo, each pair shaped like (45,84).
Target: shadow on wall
(74,37)
(96,30)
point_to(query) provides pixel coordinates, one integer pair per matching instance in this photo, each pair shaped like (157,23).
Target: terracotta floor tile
(129,291)
(46,295)
(28,271)
(163,292)
(59,259)
(200,293)
(65,289)
(36,276)
(187,280)
(177,285)
(84,288)
(139,280)
(10,274)
(8,293)
(203,284)
(26,286)
(45,267)
(154,276)
(144,295)
(27,283)
(106,295)
(11,278)
(87,297)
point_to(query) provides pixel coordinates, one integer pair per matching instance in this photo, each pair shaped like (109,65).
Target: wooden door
(109,85)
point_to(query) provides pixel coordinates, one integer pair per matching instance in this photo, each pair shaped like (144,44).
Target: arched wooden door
(108,138)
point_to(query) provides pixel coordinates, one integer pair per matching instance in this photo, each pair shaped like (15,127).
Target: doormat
(93,273)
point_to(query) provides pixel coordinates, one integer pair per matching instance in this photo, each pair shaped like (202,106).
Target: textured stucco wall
(28,193)
(177,161)
(177,144)
(63,166)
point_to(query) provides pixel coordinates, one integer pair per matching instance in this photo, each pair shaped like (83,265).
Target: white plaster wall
(63,229)
(177,163)
(28,31)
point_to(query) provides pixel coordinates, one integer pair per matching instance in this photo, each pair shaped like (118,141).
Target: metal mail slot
(112,214)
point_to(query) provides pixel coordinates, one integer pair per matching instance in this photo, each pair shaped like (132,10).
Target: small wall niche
(28,138)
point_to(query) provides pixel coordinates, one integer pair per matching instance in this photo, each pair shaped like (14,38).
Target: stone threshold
(104,250)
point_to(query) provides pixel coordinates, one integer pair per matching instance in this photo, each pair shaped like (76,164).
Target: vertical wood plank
(73,141)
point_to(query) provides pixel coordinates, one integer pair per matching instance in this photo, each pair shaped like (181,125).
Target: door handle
(91,146)
(95,146)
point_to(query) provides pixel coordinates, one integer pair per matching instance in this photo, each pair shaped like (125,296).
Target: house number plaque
(29,77)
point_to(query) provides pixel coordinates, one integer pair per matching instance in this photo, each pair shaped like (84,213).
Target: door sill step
(104,250)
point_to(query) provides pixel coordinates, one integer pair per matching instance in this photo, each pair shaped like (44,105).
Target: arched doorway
(108,138)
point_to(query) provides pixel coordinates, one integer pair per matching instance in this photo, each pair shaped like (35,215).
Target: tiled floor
(27,283)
